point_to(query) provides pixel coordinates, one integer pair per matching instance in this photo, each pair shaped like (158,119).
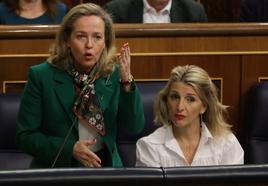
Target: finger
(84,157)
(95,163)
(86,163)
(119,59)
(93,156)
(89,142)
(126,55)
(127,49)
(123,55)
(92,162)
(125,45)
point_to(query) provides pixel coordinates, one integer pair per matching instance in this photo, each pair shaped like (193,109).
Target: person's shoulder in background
(119,9)
(3,7)
(61,10)
(4,11)
(254,11)
(190,11)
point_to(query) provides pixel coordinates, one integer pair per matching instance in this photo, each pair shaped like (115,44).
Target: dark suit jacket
(131,11)
(254,11)
(46,115)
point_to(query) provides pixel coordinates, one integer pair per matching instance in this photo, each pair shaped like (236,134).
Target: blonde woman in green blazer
(79,84)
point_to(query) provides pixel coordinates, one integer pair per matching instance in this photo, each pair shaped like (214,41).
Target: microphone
(64,142)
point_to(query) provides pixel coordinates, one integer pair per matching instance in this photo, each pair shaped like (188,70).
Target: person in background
(74,102)
(14,12)
(254,11)
(194,131)
(156,11)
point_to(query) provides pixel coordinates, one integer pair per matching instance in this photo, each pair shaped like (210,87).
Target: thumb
(90,142)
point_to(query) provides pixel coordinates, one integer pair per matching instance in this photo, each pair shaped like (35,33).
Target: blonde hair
(60,53)
(199,79)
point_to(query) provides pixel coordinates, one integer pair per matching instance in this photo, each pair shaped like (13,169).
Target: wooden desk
(235,55)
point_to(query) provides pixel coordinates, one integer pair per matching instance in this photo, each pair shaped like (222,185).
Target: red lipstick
(179,116)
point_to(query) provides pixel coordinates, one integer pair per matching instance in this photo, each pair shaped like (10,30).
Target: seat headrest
(257,112)
(148,92)
(9,107)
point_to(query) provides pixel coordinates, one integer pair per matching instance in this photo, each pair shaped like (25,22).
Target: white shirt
(160,149)
(88,133)
(151,16)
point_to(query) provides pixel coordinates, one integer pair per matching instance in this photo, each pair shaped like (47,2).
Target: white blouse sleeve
(233,153)
(146,156)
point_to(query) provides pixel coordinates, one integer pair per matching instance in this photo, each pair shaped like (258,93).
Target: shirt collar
(148,8)
(165,134)
(205,133)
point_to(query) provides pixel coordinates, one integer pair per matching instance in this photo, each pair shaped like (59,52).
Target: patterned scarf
(87,106)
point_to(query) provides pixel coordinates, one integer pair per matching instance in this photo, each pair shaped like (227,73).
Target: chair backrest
(256,118)
(10,156)
(127,142)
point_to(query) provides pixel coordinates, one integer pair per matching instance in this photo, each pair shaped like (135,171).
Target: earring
(201,118)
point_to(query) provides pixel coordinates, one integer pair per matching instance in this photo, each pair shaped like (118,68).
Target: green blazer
(45,115)
(131,11)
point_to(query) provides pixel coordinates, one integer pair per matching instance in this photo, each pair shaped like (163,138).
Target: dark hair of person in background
(11,10)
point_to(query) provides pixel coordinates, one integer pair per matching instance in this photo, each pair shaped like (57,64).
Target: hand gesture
(124,63)
(82,153)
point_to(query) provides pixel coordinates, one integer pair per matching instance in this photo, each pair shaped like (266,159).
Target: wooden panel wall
(235,53)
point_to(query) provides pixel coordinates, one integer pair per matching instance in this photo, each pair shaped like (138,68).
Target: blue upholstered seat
(127,142)
(10,156)
(256,118)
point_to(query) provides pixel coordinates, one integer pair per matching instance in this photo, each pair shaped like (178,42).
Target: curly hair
(200,81)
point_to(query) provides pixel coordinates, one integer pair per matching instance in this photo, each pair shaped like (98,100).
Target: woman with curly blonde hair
(194,130)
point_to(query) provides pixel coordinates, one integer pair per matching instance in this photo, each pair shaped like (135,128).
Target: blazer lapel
(64,88)
(135,12)
(104,90)
(176,12)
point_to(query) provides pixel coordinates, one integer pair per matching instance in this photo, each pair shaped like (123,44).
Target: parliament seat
(256,120)
(127,142)
(10,156)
